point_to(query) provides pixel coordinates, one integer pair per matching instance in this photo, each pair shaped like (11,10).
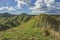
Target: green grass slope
(13,21)
(24,27)
(25,31)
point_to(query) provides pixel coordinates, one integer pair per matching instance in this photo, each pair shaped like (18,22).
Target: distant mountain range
(6,14)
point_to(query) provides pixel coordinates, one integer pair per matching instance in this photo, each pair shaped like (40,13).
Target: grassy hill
(13,21)
(29,27)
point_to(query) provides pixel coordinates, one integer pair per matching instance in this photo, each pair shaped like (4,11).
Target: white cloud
(20,3)
(11,8)
(37,4)
(26,1)
(36,12)
(43,6)
(7,8)
(39,7)
(1,8)
(49,2)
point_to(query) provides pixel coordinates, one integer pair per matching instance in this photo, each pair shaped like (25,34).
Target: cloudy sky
(30,6)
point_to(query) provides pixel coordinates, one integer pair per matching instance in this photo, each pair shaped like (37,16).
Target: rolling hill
(30,27)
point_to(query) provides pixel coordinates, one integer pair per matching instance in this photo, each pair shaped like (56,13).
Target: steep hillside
(29,27)
(25,31)
(13,21)
(48,21)
(5,16)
